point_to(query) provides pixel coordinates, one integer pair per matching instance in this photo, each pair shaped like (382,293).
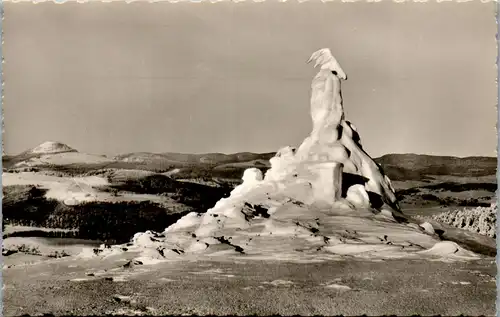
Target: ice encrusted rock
(333,139)
(428,228)
(357,195)
(329,170)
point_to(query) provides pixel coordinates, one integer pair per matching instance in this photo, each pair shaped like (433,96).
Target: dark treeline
(44,234)
(425,193)
(106,221)
(458,187)
(408,195)
(113,222)
(199,197)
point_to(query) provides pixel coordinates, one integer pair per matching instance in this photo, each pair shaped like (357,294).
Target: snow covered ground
(70,286)
(70,190)
(75,190)
(65,158)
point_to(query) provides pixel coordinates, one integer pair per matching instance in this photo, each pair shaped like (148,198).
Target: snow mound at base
(264,220)
(449,249)
(481,219)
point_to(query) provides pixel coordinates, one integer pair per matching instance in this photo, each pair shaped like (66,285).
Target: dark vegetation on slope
(210,172)
(197,196)
(208,158)
(111,222)
(427,194)
(398,167)
(417,166)
(74,170)
(452,187)
(187,171)
(457,187)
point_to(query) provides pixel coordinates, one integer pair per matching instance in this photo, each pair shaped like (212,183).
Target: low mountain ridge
(398,167)
(52,154)
(418,166)
(207,158)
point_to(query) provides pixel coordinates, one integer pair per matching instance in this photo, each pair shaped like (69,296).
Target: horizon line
(241,152)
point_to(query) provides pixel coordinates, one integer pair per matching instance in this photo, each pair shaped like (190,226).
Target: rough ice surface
(481,219)
(327,199)
(357,195)
(428,227)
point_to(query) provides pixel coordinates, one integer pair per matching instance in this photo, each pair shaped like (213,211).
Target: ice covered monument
(327,198)
(331,158)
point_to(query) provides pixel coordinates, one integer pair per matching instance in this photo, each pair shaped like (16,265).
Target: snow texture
(481,219)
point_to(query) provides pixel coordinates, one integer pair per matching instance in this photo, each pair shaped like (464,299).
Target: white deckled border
(236,1)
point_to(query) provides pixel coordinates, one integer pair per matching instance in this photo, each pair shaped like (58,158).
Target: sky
(113,78)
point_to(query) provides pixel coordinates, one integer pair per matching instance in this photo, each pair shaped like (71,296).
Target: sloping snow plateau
(76,190)
(65,158)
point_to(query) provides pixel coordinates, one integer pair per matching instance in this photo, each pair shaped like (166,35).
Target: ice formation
(333,149)
(481,219)
(326,198)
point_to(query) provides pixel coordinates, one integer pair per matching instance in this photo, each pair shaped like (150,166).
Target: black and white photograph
(249,158)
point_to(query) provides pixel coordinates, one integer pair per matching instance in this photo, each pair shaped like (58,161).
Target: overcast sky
(228,77)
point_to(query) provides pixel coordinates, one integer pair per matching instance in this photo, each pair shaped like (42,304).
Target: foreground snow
(353,287)
(290,238)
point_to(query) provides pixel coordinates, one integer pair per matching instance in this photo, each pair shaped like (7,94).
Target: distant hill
(51,154)
(207,158)
(50,147)
(397,166)
(418,166)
